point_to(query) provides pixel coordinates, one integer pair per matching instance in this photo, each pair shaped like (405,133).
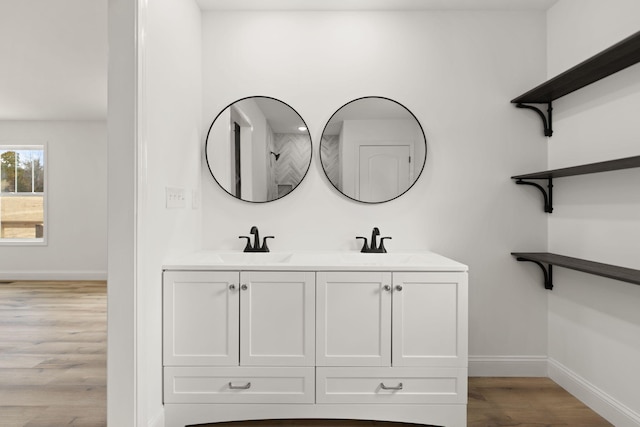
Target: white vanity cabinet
(430,319)
(200,318)
(220,325)
(391,319)
(353,319)
(410,326)
(310,337)
(277,318)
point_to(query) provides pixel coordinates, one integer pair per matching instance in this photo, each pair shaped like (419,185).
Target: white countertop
(314,261)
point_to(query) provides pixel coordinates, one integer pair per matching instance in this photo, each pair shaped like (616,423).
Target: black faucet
(374,248)
(374,235)
(256,241)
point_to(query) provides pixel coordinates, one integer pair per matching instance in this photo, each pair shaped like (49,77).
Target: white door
(430,319)
(200,318)
(277,318)
(384,172)
(354,319)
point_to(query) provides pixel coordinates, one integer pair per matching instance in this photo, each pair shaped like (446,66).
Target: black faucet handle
(265,248)
(247,248)
(381,247)
(365,247)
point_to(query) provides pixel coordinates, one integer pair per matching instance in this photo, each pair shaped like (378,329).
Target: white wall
(594,322)
(122,193)
(457,72)
(155,141)
(76,227)
(171,155)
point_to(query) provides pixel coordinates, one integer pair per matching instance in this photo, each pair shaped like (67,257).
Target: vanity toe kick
(391,385)
(238,385)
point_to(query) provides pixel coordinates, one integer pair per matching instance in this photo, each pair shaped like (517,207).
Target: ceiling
(312,5)
(54,52)
(53,59)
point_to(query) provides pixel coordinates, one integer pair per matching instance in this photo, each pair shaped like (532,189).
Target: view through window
(22,188)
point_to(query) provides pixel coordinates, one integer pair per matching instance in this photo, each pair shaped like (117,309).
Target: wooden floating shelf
(605,270)
(547,194)
(609,61)
(611,165)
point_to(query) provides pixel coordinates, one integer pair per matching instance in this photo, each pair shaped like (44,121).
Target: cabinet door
(354,319)
(200,318)
(430,319)
(277,318)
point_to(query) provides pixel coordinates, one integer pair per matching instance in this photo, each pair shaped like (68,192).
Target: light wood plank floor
(53,369)
(53,339)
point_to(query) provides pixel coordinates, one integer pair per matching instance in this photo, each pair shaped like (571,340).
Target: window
(22,193)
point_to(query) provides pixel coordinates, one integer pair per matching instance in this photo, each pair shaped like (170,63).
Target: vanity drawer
(238,385)
(391,385)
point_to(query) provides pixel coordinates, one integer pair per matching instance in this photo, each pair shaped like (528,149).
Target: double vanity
(342,335)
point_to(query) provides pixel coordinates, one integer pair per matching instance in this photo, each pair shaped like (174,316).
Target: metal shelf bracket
(547,272)
(547,122)
(547,194)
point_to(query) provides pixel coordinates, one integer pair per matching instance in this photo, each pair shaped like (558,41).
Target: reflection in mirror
(373,149)
(258,149)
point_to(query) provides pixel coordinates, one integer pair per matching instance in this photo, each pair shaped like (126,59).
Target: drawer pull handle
(239,387)
(384,387)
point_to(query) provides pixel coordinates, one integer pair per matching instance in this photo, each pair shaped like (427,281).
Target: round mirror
(373,149)
(258,149)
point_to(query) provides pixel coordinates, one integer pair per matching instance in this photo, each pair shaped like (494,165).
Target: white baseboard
(609,408)
(507,366)
(53,275)
(158,420)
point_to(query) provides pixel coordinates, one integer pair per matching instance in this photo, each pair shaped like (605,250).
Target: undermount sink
(238,258)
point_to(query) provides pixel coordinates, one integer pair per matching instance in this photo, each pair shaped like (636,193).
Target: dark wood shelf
(609,61)
(605,270)
(610,165)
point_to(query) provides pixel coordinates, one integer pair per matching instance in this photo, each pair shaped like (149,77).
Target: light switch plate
(175,198)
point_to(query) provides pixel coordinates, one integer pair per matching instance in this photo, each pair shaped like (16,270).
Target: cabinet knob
(232,287)
(398,288)
(386,288)
(244,287)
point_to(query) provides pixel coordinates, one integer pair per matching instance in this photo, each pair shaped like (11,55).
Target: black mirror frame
(416,178)
(206,154)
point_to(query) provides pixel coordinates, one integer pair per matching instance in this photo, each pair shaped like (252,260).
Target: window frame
(43,241)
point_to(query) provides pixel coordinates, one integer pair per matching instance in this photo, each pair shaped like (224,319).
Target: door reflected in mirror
(258,149)
(373,149)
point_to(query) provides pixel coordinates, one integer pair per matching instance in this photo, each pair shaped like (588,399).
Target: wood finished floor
(53,339)
(53,370)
